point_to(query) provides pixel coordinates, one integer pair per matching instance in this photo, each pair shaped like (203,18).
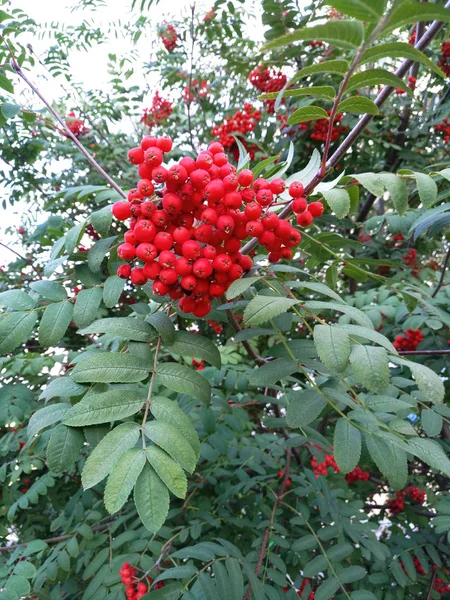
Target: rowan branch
(441,279)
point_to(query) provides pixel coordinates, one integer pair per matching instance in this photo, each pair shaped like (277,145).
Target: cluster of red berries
(243,121)
(209,15)
(364,237)
(397,504)
(158,113)
(76,126)
(440,585)
(444,129)
(267,80)
(444,63)
(215,326)
(199,365)
(398,239)
(188,234)
(281,475)
(321,126)
(169,37)
(198,89)
(315,44)
(410,260)
(409,341)
(133,589)
(357,475)
(411,83)
(321,468)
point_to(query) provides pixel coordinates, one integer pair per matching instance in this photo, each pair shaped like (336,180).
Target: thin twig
(424,352)
(150,387)
(430,589)
(441,279)
(29,261)
(248,347)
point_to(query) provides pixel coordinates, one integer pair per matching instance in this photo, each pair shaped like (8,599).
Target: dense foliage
(228,416)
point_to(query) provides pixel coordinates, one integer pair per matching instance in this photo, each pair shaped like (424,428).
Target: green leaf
(238,287)
(107,453)
(63,387)
(110,367)
(50,290)
(350,311)
(431,453)
(317,91)
(372,182)
(338,200)
(73,238)
(427,189)
(64,448)
(5,84)
(390,460)
(431,422)
(101,220)
(244,156)
(347,445)
(98,252)
(15,329)
(327,589)
(54,323)
(307,113)
(168,438)
(320,288)
(128,328)
(315,566)
(17,300)
(408,13)
(427,380)
(370,367)
(25,568)
(358,105)
(168,471)
(196,345)
(9,110)
(304,407)
(163,325)
(336,67)
(184,380)
(104,408)
(364,10)
(397,191)
(376,77)
(181,572)
(369,334)
(152,500)
(112,290)
(272,371)
(399,50)
(262,309)
(122,478)
(49,415)
(333,347)
(86,306)
(352,574)
(168,411)
(340,33)
(363,595)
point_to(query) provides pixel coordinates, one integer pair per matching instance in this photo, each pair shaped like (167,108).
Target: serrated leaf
(338,200)
(112,290)
(431,422)
(339,33)
(104,408)
(128,328)
(304,407)
(337,67)
(5,84)
(15,329)
(152,499)
(358,105)
(364,10)
(110,367)
(431,453)
(390,460)
(73,238)
(262,309)
(238,287)
(427,380)
(376,77)
(17,300)
(49,415)
(122,478)
(168,411)
(272,371)
(163,325)
(399,50)
(54,323)
(347,445)
(333,347)
(62,387)
(168,470)
(50,290)
(427,189)
(407,13)
(184,380)
(86,306)
(320,288)
(397,191)
(195,345)
(101,220)
(354,313)
(98,252)
(315,566)
(307,113)
(372,183)
(10,110)
(107,453)
(169,439)
(370,367)
(369,334)
(318,91)
(327,589)
(64,448)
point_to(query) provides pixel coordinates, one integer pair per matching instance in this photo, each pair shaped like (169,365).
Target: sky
(89,69)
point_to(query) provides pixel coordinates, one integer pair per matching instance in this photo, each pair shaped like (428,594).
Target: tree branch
(441,279)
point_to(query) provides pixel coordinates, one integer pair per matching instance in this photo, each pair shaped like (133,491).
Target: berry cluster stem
(150,387)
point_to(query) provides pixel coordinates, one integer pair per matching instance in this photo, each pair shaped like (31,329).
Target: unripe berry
(121,210)
(245,178)
(136,156)
(316,209)
(296,189)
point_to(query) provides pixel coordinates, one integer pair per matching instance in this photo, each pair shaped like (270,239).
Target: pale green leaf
(336,67)
(272,371)
(101,220)
(358,105)
(98,252)
(307,113)
(431,453)
(262,309)
(340,33)
(50,290)
(399,50)
(372,182)
(369,334)
(407,13)
(431,422)
(364,10)
(62,387)
(168,411)
(64,448)
(390,460)
(338,200)
(333,347)
(238,287)
(54,323)
(15,329)
(184,380)
(352,312)
(104,408)
(317,91)
(347,445)
(110,367)
(49,415)
(169,439)
(195,345)
(86,306)
(129,328)
(112,290)
(122,478)
(427,189)
(152,499)
(376,77)
(168,471)
(320,288)
(17,300)
(396,187)
(304,407)
(370,367)
(427,380)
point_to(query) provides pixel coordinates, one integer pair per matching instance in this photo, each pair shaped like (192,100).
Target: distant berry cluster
(397,504)
(267,80)
(409,341)
(158,113)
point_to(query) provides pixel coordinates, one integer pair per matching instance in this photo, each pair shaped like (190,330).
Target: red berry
(245,178)
(164,143)
(316,209)
(305,219)
(121,210)
(144,231)
(146,252)
(153,157)
(159,288)
(136,156)
(191,249)
(124,271)
(277,186)
(145,187)
(299,205)
(126,251)
(188,282)
(200,178)
(296,189)
(138,276)
(152,270)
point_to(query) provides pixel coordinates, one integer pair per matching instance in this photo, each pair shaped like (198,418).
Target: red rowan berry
(152,270)
(148,209)
(148,141)
(216,290)
(145,187)
(299,205)
(225,223)
(216,148)
(164,143)
(264,197)
(160,218)
(191,249)
(144,231)
(136,156)
(255,228)
(296,189)
(160,174)
(188,282)
(215,190)
(153,157)
(245,178)
(220,159)
(270,221)
(316,209)
(183,266)
(126,251)
(168,276)
(277,186)
(209,252)
(253,210)
(188,163)
(204,160)
(222,263)
(231,182)
(121,210)
(172,203)
(248,195)
(159,288)
(305,219)
(146,252)
(177,174)
(204,233)
(124,271)
(145,171)
(181,235)
(202,268)
(200,178)
(201,309)
(235,272)
(138,276)
(163,240)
